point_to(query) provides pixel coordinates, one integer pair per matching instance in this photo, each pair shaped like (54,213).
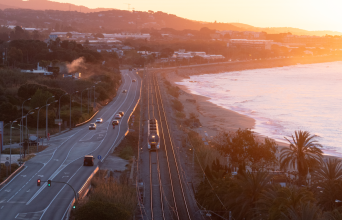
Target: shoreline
(214,118)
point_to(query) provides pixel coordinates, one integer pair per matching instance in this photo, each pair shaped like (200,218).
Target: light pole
(94,93)
(81,98)
(70,108)
(26,123)
(29,113)
(22,114)
(46,129)
(38,124)
(59,111)
(11,123)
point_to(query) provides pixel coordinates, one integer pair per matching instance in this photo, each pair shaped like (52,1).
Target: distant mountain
(276,30)
(48,5)
(2,7)
(113,19)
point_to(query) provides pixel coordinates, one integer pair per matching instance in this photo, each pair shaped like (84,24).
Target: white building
(39,70)
(245,43)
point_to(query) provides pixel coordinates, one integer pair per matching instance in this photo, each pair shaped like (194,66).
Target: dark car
(133,80)
(125,91)
(88,160)
(121,113)
(92,126)
(116,122)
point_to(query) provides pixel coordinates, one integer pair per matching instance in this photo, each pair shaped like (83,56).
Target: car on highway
(121,113)
(92,126)
(115,122)
(99,120)
(125,91)
(134,80)
(88,160)
(117,116)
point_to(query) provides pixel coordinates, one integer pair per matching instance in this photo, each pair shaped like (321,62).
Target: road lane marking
(23,175)
(8,190)
(41,175)
(58,193)
(65,177)
(28,190)
(39,169)
(2,207)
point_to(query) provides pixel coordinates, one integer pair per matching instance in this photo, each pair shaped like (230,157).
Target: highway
(62,161)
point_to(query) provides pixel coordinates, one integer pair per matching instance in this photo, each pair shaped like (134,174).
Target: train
(153,135)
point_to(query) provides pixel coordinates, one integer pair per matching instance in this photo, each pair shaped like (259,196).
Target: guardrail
(82,123)
(11,176)
(83,191)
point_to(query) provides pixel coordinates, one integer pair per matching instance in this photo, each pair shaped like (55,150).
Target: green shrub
(177,105)
(126,153)
(180,115)
(101,210)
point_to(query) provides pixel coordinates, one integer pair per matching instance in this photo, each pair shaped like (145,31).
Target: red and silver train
(153,135)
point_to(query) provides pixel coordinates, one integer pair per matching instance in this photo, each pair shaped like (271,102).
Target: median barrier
(82,192)
(12,175)
(82,123)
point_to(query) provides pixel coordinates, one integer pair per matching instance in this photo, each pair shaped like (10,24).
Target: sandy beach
(215,119)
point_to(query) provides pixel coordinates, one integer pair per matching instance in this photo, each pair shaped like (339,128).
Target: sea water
(281,100)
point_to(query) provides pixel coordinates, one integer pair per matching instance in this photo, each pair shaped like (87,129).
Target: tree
(306,211)
(40,97)
(331,170)
(15,55)
(302,154)
(243,148)
(247,191)
(277,200)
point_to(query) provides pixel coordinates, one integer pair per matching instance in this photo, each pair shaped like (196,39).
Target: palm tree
(331,170)
(246,192)
(302,154)
(278,200)
(306,211)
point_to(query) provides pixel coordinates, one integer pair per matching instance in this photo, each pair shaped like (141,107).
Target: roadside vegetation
(5,171)
(108,199)
(243,175)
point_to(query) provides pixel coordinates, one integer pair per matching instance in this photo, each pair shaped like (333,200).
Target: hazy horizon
(314,15)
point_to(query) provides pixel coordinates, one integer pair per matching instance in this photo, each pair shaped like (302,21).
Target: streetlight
(94,93)
(22,114)
(11,123)
(46,130)
(70,107)
(38,123)
(59,111)
(29,113)
(81,98)
(26,122)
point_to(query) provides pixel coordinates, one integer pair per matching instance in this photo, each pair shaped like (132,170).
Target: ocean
(281,100)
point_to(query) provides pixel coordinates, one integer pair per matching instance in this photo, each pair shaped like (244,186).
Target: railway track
(178,200)
(156,190)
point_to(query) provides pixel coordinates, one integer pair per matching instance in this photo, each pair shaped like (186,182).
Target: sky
(305,14)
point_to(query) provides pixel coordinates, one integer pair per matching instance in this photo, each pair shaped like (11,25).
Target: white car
(99,120)
(117,116)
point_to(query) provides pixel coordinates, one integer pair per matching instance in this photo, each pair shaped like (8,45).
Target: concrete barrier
(11,176)
(82,192)
(82,123)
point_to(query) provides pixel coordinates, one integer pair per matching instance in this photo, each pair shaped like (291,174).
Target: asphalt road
(21,198)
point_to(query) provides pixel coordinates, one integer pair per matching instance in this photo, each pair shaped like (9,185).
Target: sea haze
(282,100)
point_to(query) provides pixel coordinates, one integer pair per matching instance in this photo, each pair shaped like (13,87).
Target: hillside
(48,5)
(81,18)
